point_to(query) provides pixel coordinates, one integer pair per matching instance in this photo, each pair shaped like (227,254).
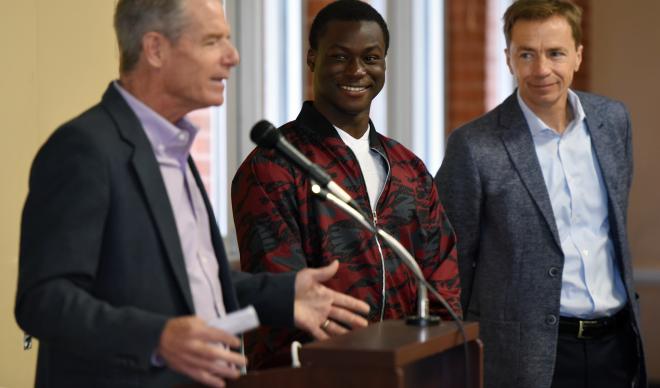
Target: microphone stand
(423,318)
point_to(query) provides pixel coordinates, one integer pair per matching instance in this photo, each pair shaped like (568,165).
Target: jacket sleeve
(266,209)
(266,214)
(272,296)
(62,234)
(459,188)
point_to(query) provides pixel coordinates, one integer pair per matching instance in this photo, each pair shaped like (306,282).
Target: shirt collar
(536,125)
(167,140)
(361,143)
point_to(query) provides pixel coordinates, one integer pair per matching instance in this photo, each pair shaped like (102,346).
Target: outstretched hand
(322,311)
(190,346)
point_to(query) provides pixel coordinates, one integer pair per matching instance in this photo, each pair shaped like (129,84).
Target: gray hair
(134,18)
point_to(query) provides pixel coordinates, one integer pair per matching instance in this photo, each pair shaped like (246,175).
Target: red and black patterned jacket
(282,226)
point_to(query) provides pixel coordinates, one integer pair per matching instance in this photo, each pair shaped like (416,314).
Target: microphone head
(265,134)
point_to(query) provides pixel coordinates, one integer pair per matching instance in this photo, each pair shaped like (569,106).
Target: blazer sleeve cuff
(271,294)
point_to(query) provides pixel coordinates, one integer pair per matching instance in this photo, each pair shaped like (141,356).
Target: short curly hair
(346,10)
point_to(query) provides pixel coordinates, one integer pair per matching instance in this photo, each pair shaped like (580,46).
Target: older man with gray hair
(121,262)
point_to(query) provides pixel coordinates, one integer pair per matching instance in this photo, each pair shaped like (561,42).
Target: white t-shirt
(371,164)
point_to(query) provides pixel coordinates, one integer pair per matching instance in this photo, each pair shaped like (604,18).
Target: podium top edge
(387,344)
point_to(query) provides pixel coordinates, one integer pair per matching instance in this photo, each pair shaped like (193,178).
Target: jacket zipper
(380,249)
(382,268)
(375,222)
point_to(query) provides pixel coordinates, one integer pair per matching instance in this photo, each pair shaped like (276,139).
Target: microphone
(266,135)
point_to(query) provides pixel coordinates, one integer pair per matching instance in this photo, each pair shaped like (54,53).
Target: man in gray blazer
(537,191)
(121,262)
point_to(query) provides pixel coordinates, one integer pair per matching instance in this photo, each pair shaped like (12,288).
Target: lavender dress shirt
(171,145)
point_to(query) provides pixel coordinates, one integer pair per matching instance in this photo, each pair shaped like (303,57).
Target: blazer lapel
(148,174)
(607,149)
(519,144)
(603,139)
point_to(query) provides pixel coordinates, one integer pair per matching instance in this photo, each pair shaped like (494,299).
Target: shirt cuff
(157,360)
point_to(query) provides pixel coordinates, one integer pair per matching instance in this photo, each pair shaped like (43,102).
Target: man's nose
(356,67)
(230,56)
(541,66)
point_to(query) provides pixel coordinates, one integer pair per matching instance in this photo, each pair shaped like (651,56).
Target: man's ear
(155,48)
(579,57)
(311,59)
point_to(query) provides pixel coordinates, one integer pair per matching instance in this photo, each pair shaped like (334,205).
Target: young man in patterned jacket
(282,226)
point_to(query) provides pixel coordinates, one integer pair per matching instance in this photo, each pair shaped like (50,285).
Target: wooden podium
(388,354)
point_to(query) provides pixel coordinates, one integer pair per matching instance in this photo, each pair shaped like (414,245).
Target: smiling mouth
(354,88)
(543,86)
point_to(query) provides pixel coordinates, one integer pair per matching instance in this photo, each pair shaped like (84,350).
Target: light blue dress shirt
(591,281)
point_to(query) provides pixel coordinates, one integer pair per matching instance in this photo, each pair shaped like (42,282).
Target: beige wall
(57,57)
(626,65)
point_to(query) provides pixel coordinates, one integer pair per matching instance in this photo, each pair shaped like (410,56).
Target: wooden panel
(279,377)
(448,367)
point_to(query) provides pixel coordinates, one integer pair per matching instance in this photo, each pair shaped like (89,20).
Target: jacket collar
(518,141)
(608,147)
(318,126)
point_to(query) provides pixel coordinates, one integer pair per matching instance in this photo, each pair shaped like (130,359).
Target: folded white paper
(238,321)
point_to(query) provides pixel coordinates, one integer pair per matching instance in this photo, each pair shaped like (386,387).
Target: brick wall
(466,56)
(582,80)
(313,7)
